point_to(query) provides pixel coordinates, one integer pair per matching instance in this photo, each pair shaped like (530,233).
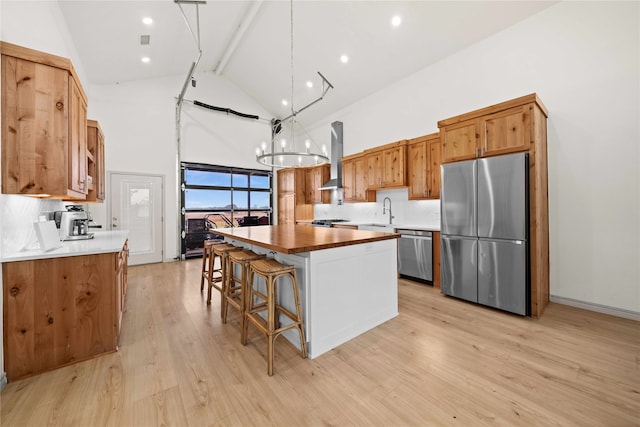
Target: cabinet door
(35,127)
(348,180)
(286,209)
(361,181)
(459,141)
(433,169)
(375,166)
(77,140)
(394,171)
(286,181)
(505,132)
(99,178)
(417,170)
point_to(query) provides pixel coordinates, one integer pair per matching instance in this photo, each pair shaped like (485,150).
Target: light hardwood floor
(440,362)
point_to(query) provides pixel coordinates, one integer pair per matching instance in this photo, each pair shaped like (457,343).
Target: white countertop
(430,227)
(102,242)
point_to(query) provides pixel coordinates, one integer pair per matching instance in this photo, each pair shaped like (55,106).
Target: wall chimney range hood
(336,158)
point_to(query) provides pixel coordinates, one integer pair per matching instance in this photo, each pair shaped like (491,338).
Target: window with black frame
(219,197)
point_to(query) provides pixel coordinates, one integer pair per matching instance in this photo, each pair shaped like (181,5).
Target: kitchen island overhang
(348,279)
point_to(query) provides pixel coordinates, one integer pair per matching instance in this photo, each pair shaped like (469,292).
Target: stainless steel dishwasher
(415,254)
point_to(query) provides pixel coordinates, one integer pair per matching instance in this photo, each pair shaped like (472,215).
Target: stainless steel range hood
(336,158)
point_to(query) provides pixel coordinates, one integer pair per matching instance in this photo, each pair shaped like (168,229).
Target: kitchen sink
(385,228)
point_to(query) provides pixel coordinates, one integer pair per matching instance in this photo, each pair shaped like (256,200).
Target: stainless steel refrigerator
(485,230)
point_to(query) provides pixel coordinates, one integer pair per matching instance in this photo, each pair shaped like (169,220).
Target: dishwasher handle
(414,234)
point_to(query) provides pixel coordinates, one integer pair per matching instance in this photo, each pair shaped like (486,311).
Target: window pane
(260,200)
(196,177)
(240,180)
(241,199)
(207,199)
(259,181)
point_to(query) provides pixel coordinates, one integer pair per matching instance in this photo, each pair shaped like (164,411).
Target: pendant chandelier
(283,152)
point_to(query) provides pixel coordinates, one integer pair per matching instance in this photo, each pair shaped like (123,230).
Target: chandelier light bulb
(307,144)
(263,146)
(324,149)
(283,143)
(258,151)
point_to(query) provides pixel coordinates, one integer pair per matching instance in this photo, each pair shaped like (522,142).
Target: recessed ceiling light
(284,102)
(344,59)
(145,59)
(309,84)
(396,21)
(147,21)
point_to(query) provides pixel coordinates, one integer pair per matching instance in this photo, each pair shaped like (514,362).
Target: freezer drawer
(458,267)
(502,275)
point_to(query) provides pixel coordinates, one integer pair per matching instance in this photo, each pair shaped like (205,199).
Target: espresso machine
(73,224)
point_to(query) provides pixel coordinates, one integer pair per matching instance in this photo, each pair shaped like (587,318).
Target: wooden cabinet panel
(286,209)
(315,177)
(77,140)
(504,132)
(95,166)
(386,166)
(355,180)
(423,167)
(57,311)
(394,171)
(459,141)
(43,125)
(35,127)
(433,168)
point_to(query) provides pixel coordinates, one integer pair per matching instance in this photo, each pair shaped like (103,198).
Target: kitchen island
(348,279)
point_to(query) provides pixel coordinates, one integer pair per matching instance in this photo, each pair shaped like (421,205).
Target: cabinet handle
(59,105)
(482,152)
(476,151)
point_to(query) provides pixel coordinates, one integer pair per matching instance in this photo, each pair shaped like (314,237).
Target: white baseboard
(613,311)
(3,381)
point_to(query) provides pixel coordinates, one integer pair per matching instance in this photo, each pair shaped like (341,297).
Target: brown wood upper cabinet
(316,176)
(354,179)
(95,162)
(423,167)
(292,204)
(386,166)
(44,125)
(499,129)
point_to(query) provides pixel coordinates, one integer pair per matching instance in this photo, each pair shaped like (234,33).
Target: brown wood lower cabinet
(59,311)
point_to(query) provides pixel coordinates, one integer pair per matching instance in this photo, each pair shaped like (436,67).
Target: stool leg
(248,307)
(224,260)
(270,323)
(204,265)
(210,278)
(296,296)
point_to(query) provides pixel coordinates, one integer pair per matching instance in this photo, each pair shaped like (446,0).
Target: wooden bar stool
(207,256)
(272,270)
(219,282)
(236,288)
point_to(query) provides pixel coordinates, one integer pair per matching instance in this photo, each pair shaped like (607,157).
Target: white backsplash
(17,215)
(406,212)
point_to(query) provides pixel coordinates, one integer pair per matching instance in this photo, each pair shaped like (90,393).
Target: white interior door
(137,205)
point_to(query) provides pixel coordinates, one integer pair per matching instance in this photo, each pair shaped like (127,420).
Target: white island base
(344,291)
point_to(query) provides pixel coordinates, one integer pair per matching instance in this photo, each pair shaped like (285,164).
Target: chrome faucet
(384,209)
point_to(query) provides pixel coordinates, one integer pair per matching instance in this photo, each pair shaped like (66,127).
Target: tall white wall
(582,58)
(138,120)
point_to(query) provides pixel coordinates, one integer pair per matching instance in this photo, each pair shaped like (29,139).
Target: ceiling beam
(233,44)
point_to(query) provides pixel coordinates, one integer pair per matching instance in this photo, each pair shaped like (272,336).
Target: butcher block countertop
(292,239)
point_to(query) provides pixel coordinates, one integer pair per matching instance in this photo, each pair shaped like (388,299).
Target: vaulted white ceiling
(249,43)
